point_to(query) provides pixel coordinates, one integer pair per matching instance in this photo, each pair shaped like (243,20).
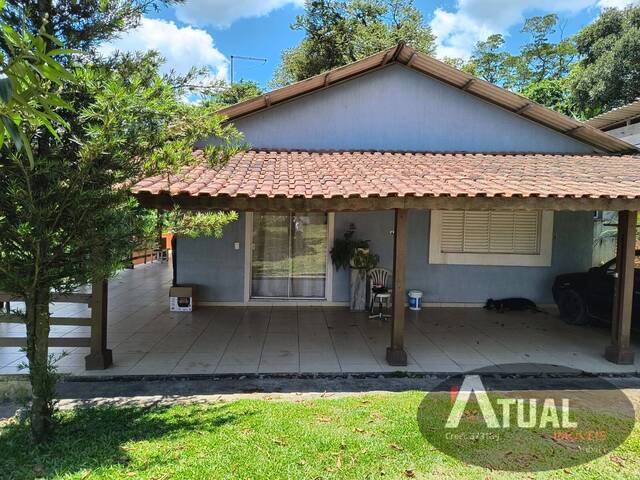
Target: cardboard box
(182,298)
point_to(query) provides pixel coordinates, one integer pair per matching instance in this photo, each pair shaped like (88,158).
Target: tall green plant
(66,213)
(30,81)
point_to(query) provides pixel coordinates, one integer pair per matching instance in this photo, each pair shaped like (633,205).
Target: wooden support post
(620,351)
(174,260)
(100,357)
(396,355)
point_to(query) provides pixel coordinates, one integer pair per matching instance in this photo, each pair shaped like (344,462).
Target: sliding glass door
(289,256)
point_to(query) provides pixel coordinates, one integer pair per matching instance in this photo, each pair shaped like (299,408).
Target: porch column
(620,351)
(100,357)
(396,355)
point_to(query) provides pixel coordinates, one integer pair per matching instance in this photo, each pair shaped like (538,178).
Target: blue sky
(207,32)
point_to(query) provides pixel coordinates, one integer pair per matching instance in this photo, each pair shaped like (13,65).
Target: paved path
(177,391)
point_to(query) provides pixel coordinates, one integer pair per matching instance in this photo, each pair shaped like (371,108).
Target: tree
(553,93)
(69,218)
(30,78)
(541,58)
(608,74)
(338,32)
(79,24)
(66,214)
(238,92)
(539,71)
(490,62)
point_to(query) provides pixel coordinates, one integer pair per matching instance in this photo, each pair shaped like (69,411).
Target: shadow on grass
(89,438)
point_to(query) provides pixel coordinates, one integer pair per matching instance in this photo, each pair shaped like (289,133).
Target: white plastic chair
(379,289)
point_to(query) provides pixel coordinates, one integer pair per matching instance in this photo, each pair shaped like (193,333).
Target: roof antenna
(240,57)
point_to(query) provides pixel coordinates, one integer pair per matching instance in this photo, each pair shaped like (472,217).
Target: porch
(147,339)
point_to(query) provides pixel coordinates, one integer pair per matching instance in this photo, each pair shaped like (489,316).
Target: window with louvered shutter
(501,237)
(491,232)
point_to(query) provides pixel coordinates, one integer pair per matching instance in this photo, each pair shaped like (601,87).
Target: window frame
(542,259)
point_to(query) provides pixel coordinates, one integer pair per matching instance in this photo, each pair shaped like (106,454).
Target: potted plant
(345,248)
(354,253)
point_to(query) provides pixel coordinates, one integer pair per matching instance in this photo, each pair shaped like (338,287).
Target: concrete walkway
(73,394)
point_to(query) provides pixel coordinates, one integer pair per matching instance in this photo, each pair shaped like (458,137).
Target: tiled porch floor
(147,339)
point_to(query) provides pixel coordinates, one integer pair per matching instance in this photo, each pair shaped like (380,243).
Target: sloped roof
(617,115)
(407,56)
(329,175)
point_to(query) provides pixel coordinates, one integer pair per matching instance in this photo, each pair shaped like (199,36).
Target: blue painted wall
(218,269)
(572,247)
(402,110)
(214,265)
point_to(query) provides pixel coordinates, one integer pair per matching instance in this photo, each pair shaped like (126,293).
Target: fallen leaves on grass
(617,460)
(375,417)
(396,447)
(471,415)
(410,473)
(337,467)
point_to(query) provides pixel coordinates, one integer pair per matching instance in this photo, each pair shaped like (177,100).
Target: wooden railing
(76,298)
(150,255)
(100,357)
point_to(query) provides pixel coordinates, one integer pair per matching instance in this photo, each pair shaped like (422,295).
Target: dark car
(587,296)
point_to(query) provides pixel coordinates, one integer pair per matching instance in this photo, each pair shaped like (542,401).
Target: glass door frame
(248,260)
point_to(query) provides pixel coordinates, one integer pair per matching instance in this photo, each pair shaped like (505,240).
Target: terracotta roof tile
(382,174)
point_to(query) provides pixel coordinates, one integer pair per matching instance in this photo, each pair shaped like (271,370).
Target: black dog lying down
(512,305)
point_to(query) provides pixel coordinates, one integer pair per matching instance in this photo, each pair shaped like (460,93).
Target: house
(465,190)
(623,123)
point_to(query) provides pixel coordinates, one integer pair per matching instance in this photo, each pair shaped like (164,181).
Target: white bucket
(415,300)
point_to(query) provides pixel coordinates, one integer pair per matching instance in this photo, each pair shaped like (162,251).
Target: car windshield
(610,266)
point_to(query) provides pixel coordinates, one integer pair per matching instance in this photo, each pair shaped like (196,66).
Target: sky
(206,33)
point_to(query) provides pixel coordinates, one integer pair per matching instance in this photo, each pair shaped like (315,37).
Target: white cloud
(615,3)
(222,13)
(182,47)
(473,20)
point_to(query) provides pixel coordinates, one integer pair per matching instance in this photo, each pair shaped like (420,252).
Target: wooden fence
(99,357)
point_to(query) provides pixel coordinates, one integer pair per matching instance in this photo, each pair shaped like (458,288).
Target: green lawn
(373,436)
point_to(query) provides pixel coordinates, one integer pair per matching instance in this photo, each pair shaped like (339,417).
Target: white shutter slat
(476,231)
(451,240)
(501,231)
(527,233)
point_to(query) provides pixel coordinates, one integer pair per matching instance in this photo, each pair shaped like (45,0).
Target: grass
(12,390)
(372,436)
